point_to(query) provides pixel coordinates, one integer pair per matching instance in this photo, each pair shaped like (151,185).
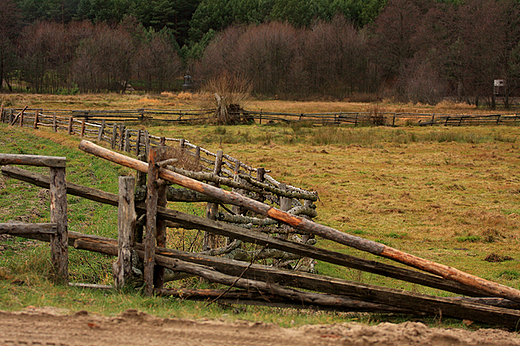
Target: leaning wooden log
(27,228)
(450,273)
(355,294)
(195,222)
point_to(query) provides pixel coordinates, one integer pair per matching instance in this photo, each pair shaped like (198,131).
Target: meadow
(447,194)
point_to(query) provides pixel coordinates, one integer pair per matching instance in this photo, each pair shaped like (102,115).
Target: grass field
(451,195)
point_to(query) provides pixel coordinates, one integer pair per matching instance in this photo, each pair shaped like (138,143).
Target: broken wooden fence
(282,284)
(252,283)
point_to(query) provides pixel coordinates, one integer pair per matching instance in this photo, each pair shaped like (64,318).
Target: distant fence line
(197,116)
(117,135)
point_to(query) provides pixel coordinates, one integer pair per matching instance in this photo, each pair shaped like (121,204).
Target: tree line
(415,50)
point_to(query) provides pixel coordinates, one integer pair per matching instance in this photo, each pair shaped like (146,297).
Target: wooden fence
(118,136)
(259,284)
(61,118)
(57,228)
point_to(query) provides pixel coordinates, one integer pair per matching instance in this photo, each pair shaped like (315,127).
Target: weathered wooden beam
(33,160)
(27,228)
(450,273)
(195,222)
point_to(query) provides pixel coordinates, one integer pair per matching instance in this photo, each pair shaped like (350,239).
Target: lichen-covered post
(59,242)
(126,219)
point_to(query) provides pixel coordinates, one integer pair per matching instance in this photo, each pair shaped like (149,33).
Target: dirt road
(50,326)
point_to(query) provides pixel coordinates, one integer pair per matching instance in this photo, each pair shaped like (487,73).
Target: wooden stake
(450,273)
(100,132)
(161,223)
(69,129)
(59,242)
(54,123)
(151,221)
(210,240)
(83,128)
(126,218)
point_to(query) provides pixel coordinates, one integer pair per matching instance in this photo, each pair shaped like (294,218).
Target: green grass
(448,195)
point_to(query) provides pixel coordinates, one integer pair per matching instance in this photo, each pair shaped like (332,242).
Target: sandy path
(54,327)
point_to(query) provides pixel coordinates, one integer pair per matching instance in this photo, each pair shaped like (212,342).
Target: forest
(410,50)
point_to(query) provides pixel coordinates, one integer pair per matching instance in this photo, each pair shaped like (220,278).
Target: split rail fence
(252,283)
(89,122)
(244,206)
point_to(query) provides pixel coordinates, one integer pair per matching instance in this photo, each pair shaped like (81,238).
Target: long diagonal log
(348,294)
(492,288)
(194,222)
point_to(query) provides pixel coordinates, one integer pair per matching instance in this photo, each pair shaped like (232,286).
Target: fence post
(127,141)
(147,142)
(36,114)
(100,132)
(121,137)
(152,199)
(11,115)
(59,242)
(83,128)
(114,137)
(197,154)
(21,118)
(69,130)
(54,123)
(126,219)
(212,208)
(285,205)
(161,223)
(138,142)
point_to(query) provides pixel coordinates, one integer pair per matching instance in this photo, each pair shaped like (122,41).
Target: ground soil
(49,326)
